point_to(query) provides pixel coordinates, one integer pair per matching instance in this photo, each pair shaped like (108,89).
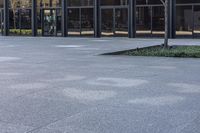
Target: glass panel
(20,3)
(147,2)
(143,21)
(87,23)
(49,26)
(49,3)
(74,21)
(114,2)
(107,22)
(80,2)
(14,22)
(74,2)
(197,21)
(158,21)
(87,2)
(121,22)
(25,24)
(1,3)
(184,21)
(56,3)
(187,1)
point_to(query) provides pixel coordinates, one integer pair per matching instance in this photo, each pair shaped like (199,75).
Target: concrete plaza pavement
(63,85)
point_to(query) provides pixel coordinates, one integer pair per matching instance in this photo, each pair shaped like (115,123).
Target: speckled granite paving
(62,85)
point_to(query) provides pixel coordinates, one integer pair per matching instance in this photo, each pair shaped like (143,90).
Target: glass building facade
(96,18)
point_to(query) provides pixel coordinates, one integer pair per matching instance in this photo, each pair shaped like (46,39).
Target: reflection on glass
(121,22)
(107,22)
(20,3)
(25,18)
(87,23)
(49,3)
(184,21)
(20,22)
(197,21)
(74,21)
(52,22)
(143,21)
(49,26)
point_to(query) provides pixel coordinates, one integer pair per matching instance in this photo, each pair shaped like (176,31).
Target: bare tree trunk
(165,4)
(13,4)
(166,24)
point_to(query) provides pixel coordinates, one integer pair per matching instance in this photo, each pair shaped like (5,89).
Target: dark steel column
(97,18)
(131,19)
(172,19)
(64,18)
(6,18)
(34,17)
(1,22)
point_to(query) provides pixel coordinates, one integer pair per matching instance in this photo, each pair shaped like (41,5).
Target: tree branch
(163,2)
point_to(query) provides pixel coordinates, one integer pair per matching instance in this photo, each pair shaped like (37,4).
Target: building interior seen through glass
(113,18)
(20,17)
(149,18)
(188,18)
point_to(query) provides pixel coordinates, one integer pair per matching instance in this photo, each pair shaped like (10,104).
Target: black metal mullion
(151,11)
(6,18)
(64,18)
(34,18)
(100,22)
(97,18)
(132,19)
(56,19)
